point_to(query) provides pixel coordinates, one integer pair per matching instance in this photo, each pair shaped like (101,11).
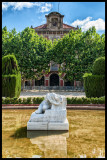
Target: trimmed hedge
(38,100)
(11,77)
(99,66)
(9,65)
(11,85)
(94,85)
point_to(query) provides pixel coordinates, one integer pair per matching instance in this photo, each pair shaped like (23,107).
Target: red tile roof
(67,26)
(41,26)
(44,26)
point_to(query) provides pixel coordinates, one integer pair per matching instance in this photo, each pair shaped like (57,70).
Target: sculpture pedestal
(50,120)
(48,125)
(51,114)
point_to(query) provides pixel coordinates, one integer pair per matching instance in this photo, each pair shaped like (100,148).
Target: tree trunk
(23,81)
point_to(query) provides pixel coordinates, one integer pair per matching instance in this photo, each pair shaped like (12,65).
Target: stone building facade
(53,29)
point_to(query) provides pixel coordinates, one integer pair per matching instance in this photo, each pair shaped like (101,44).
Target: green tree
(76,51)
(31,51)
(7,40)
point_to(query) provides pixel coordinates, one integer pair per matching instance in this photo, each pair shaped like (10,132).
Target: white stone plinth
(48,125)
(58,126)
(37,126)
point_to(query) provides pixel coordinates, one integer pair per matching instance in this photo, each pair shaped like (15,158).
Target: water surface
(85,138)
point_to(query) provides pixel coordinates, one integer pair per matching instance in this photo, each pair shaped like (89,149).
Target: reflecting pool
(85,138)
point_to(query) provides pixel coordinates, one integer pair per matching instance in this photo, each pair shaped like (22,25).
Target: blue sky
(20,15)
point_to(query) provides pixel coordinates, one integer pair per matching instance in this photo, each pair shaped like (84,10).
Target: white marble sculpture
(50,115)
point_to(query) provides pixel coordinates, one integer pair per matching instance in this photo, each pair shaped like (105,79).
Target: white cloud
(88,22)
(81,22)
(18,5)
(21,5)
(44,7)
(5,5)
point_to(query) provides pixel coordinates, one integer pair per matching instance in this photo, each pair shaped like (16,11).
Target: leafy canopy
(75,52)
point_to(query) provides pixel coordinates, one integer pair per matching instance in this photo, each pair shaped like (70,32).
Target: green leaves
(30,50)
(77,50)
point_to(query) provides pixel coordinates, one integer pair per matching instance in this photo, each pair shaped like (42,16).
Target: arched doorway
(54,80)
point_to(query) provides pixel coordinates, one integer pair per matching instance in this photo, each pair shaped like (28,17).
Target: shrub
(74,100)
(85,100)
(11,85)
(24,101)
(6,100)
(38,100)
(11,77)
(101,100)
(9,65)
(94,85)
(14,100)
(99,66)
(19,101)
(29,100)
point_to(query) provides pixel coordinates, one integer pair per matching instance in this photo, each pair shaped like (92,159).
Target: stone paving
(35,93)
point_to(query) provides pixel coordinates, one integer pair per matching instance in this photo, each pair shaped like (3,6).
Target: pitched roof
(67,26)
(41,26)
(44,26)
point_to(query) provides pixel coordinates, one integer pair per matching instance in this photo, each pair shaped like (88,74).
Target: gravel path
(35,93)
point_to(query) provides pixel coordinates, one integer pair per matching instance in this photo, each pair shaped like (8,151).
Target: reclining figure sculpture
(50,115)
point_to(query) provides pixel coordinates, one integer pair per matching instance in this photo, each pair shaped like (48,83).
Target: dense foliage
(9,65)
(11,77)
(99,66)
(38,100)
(94,83)
(75,52)
(30,51)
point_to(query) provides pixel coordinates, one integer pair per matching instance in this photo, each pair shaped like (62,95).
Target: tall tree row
(75,52)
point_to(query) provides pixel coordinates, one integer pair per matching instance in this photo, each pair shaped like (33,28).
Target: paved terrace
(36,93)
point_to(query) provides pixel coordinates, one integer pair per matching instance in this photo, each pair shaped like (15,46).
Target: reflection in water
(52,143)
(86,137)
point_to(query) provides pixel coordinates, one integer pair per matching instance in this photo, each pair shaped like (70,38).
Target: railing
(60,88)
